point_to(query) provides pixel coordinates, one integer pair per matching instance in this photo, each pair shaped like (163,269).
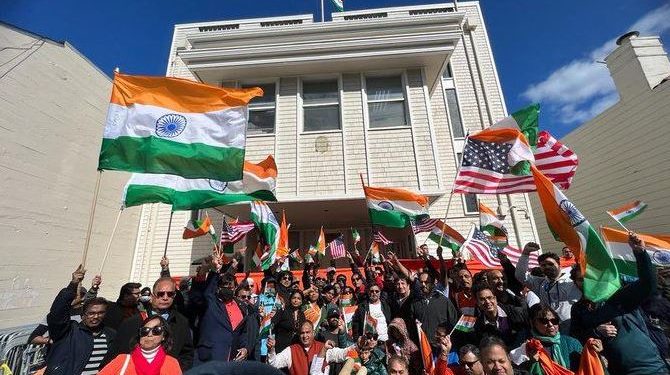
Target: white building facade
(387,94)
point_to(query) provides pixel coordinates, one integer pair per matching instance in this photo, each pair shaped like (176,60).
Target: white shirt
(317,363)
(377,313)
(283,359)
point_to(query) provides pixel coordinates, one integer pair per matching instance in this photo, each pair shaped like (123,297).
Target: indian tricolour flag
(446,236)
(466,323)
(657,246)
(348,312)
(258,183)
(525,120)
(394,208)
(601,278)
(175,126)
(489,222)
(628,211)
(268,227)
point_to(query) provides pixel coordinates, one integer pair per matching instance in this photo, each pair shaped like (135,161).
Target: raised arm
(58,318)
(521,272)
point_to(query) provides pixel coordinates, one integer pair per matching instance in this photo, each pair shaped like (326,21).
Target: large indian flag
(175,126)
(657,246)
(394,208)
(268,227)
(601,278)
(258,183)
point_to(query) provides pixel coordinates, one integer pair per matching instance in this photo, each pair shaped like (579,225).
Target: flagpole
(618,222)
(322,17)
(451,194)
(87,241)
(167,238)
(109,243)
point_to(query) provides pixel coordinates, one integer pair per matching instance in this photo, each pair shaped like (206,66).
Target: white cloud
(581,89)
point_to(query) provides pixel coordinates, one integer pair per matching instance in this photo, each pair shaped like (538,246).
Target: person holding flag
(375,308)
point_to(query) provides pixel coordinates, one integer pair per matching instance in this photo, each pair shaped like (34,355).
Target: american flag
(482,249)
(337,249)
(424,225)
(380,238)
(233,232)
(485,170)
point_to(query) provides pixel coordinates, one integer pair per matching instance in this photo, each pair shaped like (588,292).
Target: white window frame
(403,84)
(449,84)
(310,79)
(262,107)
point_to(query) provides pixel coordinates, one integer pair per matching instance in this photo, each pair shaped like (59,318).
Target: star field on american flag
(491,156)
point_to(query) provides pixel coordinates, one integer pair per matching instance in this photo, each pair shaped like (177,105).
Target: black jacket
(358,320)
(182,347)
(285,327)
(432,312)
(114,315)
(72,341)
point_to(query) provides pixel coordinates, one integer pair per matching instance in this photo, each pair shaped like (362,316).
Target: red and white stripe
(425,225)
(380,238)
(337,249)
(231,233)
(481,251)
(552,158)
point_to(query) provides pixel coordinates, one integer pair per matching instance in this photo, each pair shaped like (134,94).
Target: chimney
(638,64)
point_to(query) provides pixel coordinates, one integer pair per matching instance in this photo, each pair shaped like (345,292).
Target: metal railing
(22,358)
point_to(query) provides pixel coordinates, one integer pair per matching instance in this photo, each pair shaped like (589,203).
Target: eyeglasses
(155,331)
(286,278)
(468,364)
(95,313)
(375,291)
(546,321)
(168,294)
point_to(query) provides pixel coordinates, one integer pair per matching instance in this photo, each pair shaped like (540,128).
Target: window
(386,101)
(470,201)
(262,111)
(454,114)
(321,105)
(447,72)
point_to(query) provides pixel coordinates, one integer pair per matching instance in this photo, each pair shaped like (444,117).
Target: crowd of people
(523,321)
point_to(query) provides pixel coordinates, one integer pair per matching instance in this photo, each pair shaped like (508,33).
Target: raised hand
(78,274)
(97,280)
(165,263)
(531,247)
(636,243)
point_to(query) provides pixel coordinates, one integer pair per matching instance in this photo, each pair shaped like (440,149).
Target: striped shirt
(98,353)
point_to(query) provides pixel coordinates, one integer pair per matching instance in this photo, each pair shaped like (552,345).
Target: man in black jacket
(431,308)
(375,308)
(125,306)
(78,348)
(162,299)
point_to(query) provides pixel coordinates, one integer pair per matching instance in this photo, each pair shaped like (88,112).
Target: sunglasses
(546,321)
(168,294)
(374,291)
(468,364)
(286,278)
(155,331)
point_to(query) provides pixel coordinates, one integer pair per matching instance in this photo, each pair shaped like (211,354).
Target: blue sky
(546,51)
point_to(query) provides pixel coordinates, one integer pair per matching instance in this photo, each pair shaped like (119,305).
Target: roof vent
(627,36)
(281,23)
(365,16)
(204,29)
(421,12)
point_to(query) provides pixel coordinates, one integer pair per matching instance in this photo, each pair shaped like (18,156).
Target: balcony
(357,41)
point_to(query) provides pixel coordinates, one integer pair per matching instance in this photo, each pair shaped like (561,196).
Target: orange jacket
(170,366)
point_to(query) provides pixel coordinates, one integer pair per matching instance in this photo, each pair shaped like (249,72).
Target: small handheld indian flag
(426,351)
(356,236)
(197,228)
(321,244)
(489,222)
(627,212)
(466,323)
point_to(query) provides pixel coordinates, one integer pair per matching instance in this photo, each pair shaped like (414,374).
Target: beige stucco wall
(623,156)
(52,109)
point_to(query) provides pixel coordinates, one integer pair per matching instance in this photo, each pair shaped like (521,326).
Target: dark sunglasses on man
(163,294)
(155,331)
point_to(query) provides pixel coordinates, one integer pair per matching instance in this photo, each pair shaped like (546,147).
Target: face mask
(225,294)
(270,291)
(145,299)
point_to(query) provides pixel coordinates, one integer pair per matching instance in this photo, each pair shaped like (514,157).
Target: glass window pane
(471,203)
(454,114)
(261,121)
(320,92)
(322,118)
(384,114)
(447,72)
(384,88)
(268,94)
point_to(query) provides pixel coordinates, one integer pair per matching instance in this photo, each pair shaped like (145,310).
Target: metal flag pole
(109,243)
(322,16)
(451,194)
(167,238)
(87,241)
